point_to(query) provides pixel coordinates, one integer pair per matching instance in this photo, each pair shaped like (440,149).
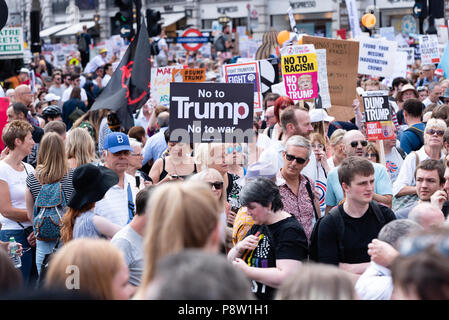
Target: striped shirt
(35,187)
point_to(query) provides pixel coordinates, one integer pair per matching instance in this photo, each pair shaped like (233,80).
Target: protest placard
(11,41)
(342,64)
(211,112)
(400,68)
(160,84)
(410,55)
(300,71)
(377,57)
(377,115)
(324,99)
(189,75)
(245,73)
(429,49)
(444,63)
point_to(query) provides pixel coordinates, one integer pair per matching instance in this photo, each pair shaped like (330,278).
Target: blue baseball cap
(116,141)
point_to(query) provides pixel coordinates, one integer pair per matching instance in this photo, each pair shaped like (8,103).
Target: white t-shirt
(105,80)
(94,64)
(161,44)
(17,186)
(68,92)
(393,162)
(330,163)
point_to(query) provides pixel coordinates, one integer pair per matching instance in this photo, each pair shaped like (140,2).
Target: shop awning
(48,32)
(75,28)
(170,18)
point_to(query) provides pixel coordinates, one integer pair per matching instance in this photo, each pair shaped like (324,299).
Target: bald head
(23,94)
(163,119)
(427,215)
(353,137)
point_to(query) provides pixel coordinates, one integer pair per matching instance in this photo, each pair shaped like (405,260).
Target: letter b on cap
(120,139)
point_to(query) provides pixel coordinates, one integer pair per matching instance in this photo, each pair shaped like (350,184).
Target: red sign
(189,33)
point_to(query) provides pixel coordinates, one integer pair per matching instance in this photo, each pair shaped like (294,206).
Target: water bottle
(13,247)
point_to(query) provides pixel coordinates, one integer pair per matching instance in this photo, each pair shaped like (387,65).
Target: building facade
(316,17)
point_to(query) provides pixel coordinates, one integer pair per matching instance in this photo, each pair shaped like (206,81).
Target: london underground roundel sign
(192,39)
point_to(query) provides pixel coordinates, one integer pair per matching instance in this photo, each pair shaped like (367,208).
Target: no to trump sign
(377,115)
(300,71)
(211,112)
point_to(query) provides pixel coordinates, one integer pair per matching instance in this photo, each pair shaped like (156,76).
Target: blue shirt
(334,192)
(410,141)
(155,146)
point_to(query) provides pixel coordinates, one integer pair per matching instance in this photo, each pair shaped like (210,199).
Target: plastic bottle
(13,246)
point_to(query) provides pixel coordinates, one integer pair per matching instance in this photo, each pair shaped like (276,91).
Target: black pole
(138,4)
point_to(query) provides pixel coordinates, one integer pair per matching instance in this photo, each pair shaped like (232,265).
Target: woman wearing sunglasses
(235,158)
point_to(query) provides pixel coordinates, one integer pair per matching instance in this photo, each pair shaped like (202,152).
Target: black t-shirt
(445,208)
(358,233)
(284,239)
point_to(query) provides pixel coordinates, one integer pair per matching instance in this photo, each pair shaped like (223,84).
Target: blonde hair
(317,282)
(211,172)
(434,123)
(337,137)
(182,215)
(315,136)
(80,146)
(268,47)
(204,153)
(97,260)
(52,162)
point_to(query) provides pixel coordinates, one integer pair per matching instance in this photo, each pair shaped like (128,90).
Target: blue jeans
(43,248)
(28,255)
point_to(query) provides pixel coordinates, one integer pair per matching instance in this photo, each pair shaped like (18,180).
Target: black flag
(129,87)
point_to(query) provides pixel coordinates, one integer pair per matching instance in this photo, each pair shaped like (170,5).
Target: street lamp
(224,20)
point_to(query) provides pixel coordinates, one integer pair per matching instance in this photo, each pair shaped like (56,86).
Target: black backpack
(337,216)
(154,48)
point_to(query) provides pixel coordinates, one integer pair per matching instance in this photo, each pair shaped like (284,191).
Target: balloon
(369,20)
(283,36)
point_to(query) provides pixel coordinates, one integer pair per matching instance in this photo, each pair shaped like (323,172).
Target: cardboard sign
(300,71)
(377,57)
(245,73)
(160,84)
(342,65)
(429,49)
(189,75)
(324,99)
(377,115)
(211,112)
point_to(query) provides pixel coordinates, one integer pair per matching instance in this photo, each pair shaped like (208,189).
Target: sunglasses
(354,144)
(438,132)
(218,185)
(299,160)
(229,150)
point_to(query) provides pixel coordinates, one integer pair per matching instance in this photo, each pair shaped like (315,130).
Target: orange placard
(189,75)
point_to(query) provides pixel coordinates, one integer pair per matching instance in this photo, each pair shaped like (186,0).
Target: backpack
(48,210)
(82,44)
(219,44)
(337,217)
(76,114)
(154,48)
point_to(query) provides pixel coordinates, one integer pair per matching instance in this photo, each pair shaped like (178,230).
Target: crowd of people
(310,209)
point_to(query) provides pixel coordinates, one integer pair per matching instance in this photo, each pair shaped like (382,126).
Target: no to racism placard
(377,115)
(300,71)
(377,57)
(246,73)
(428,45)
(211,112)
(189,75)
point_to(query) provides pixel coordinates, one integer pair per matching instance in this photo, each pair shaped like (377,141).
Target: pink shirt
(299,206)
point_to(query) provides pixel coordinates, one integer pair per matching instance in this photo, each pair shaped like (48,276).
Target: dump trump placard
(189,75)
(377,115)
(300,71)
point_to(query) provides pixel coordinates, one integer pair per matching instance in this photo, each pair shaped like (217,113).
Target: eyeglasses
(354,144)
(413,245)
(299,160)
(218,185)
(439,133)
(371,155)
(137,154)
(229,150)
(425,70)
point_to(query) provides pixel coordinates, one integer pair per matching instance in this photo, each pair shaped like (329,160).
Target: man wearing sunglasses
(355,145)
(295,188)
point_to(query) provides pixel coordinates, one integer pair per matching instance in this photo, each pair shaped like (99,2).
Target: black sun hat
(91,182)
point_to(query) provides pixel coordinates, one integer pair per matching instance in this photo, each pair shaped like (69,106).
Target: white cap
(51,97)
(24,70)
(318,115)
